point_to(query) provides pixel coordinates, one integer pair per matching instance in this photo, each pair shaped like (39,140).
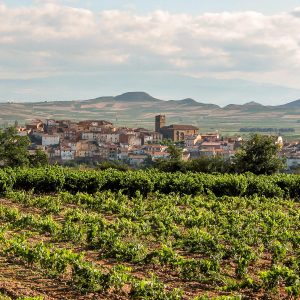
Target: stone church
(174,132)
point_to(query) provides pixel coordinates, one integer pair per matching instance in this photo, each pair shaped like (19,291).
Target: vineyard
(69,234)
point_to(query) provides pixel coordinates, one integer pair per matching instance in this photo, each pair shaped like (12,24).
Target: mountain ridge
(145,97)
(138,109)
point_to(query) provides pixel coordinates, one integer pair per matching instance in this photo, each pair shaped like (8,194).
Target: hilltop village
(96,141)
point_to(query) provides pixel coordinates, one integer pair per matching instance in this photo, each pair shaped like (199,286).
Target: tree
(209,165)
(203,164)
(148,162)
(259,155)
(13,148)
(113,165)
(174,152)
(168,142)
(39,159)
(174,165)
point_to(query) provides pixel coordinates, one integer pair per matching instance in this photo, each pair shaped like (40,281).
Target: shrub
(6,181)
(41,180)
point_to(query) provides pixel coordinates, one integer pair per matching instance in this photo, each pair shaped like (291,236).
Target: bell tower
(160,121)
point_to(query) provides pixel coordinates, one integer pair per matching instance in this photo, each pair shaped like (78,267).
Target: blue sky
(213,51)
(191,6)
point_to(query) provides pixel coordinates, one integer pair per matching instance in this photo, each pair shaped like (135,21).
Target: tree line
(259,154)
(266,129)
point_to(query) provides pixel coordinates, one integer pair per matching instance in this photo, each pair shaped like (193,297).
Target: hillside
(139,109)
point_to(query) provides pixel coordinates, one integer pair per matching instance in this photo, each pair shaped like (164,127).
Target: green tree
(174,152)
(148,162)
(13,148)
(112,165)
(38,159)
(165,142)
(174,165)
(259,155)
(207,164)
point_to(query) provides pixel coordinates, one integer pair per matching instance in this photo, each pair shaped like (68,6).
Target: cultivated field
(69,234)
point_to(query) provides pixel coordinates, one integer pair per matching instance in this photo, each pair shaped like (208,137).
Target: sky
(213,51)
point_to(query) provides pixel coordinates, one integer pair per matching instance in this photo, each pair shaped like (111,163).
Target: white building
(192,140)
(136,160)
(90,136)
(67,154)
(49,140)
(227,146)
(109,138)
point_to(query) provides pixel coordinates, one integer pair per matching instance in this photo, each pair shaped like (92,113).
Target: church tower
(160,121)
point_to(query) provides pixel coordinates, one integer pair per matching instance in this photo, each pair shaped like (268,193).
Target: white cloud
(50,38)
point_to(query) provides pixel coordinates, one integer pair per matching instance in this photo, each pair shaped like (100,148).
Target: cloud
(296,12)
(51,39)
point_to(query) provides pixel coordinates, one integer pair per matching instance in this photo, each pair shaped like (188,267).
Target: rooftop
(180,127)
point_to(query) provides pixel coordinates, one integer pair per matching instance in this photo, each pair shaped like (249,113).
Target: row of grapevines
(53,179)
(217,238)
(84,275)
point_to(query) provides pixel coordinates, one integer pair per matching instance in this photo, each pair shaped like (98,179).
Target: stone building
(174,132)
(160,122)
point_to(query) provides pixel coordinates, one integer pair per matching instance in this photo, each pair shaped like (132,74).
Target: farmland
(139,109)
(69,234)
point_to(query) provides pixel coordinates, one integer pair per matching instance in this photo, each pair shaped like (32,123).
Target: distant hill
(135,97)
(192,102)
(293,104)
(253,104)
(247,105)
(137,109)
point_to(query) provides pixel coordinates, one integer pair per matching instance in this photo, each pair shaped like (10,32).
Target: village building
(131,139)
(37,125)
(210,137)
(97,141)
(66,153)
(49,140)
(95,125)
(210,145)
(136,159)
(108,138)
(192,140)
(22,131)
(174,132)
